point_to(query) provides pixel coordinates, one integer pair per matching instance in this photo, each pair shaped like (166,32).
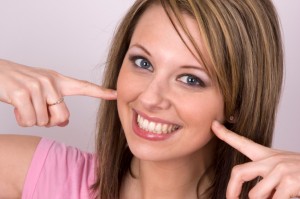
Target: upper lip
(155,119)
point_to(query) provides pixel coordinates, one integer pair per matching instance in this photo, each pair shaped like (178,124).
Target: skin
(279,169)
(29,90)
(16,153)
(160,90)
(160,169)
(42,87)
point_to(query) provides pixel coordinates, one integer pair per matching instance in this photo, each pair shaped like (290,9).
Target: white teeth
(165,128)
(145,123)
(158,129)
(151,126)
(154,127)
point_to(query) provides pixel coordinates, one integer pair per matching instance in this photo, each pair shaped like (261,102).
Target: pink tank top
(59,172)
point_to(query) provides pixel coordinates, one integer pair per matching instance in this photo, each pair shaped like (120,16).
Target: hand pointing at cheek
(280,170)
(38,94)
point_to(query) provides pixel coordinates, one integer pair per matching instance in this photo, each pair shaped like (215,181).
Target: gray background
(72,37)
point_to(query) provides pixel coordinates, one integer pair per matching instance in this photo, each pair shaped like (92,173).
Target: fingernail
(217,124)
(114,92)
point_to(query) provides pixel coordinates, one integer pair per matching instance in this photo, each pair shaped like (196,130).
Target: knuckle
(289,181)
(282,167)
(43,123)
(274,151)
(28,123)
(52,72)
(33,85)
(21,124)
(52,75)
(19,93)
(47,80)
(236,171)
(64,123)
(277,156)
(63,117)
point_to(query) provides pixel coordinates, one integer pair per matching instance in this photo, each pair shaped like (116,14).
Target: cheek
(201,111)
(131,83)
(198,117)
(122,88)
(124,96)
(127,85)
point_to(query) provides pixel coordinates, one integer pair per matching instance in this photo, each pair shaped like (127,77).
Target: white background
(72,37)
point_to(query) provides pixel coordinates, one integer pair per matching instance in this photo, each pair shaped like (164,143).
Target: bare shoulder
(16,153)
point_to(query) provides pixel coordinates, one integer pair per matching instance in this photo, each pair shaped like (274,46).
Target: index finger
(244,145)
(71,86)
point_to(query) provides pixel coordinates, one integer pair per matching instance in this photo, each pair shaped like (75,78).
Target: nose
(155,96)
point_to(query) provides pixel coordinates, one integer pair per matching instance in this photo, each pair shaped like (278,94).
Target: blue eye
(142,63)
(191,80)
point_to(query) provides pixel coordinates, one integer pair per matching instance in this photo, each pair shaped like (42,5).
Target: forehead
(155,24)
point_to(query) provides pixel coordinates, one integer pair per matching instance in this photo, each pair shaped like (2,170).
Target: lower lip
(148,135)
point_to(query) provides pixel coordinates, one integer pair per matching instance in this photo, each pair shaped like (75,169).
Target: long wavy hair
(243,42)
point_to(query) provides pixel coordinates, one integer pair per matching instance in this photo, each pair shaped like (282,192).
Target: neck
(187,177)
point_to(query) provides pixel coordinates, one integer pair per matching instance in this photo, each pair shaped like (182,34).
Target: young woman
(180,69)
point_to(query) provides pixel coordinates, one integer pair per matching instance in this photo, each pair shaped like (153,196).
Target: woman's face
(166,99)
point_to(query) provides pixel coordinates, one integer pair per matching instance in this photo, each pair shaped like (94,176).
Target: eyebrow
(141,47)
(201,68)
(195,67)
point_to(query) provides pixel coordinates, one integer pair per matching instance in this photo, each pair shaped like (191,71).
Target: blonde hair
(243,41)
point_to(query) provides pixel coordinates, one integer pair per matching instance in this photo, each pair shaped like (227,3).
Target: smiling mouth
(154,127)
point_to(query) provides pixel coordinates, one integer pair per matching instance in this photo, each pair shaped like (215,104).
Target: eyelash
(197,82)
(134,60)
